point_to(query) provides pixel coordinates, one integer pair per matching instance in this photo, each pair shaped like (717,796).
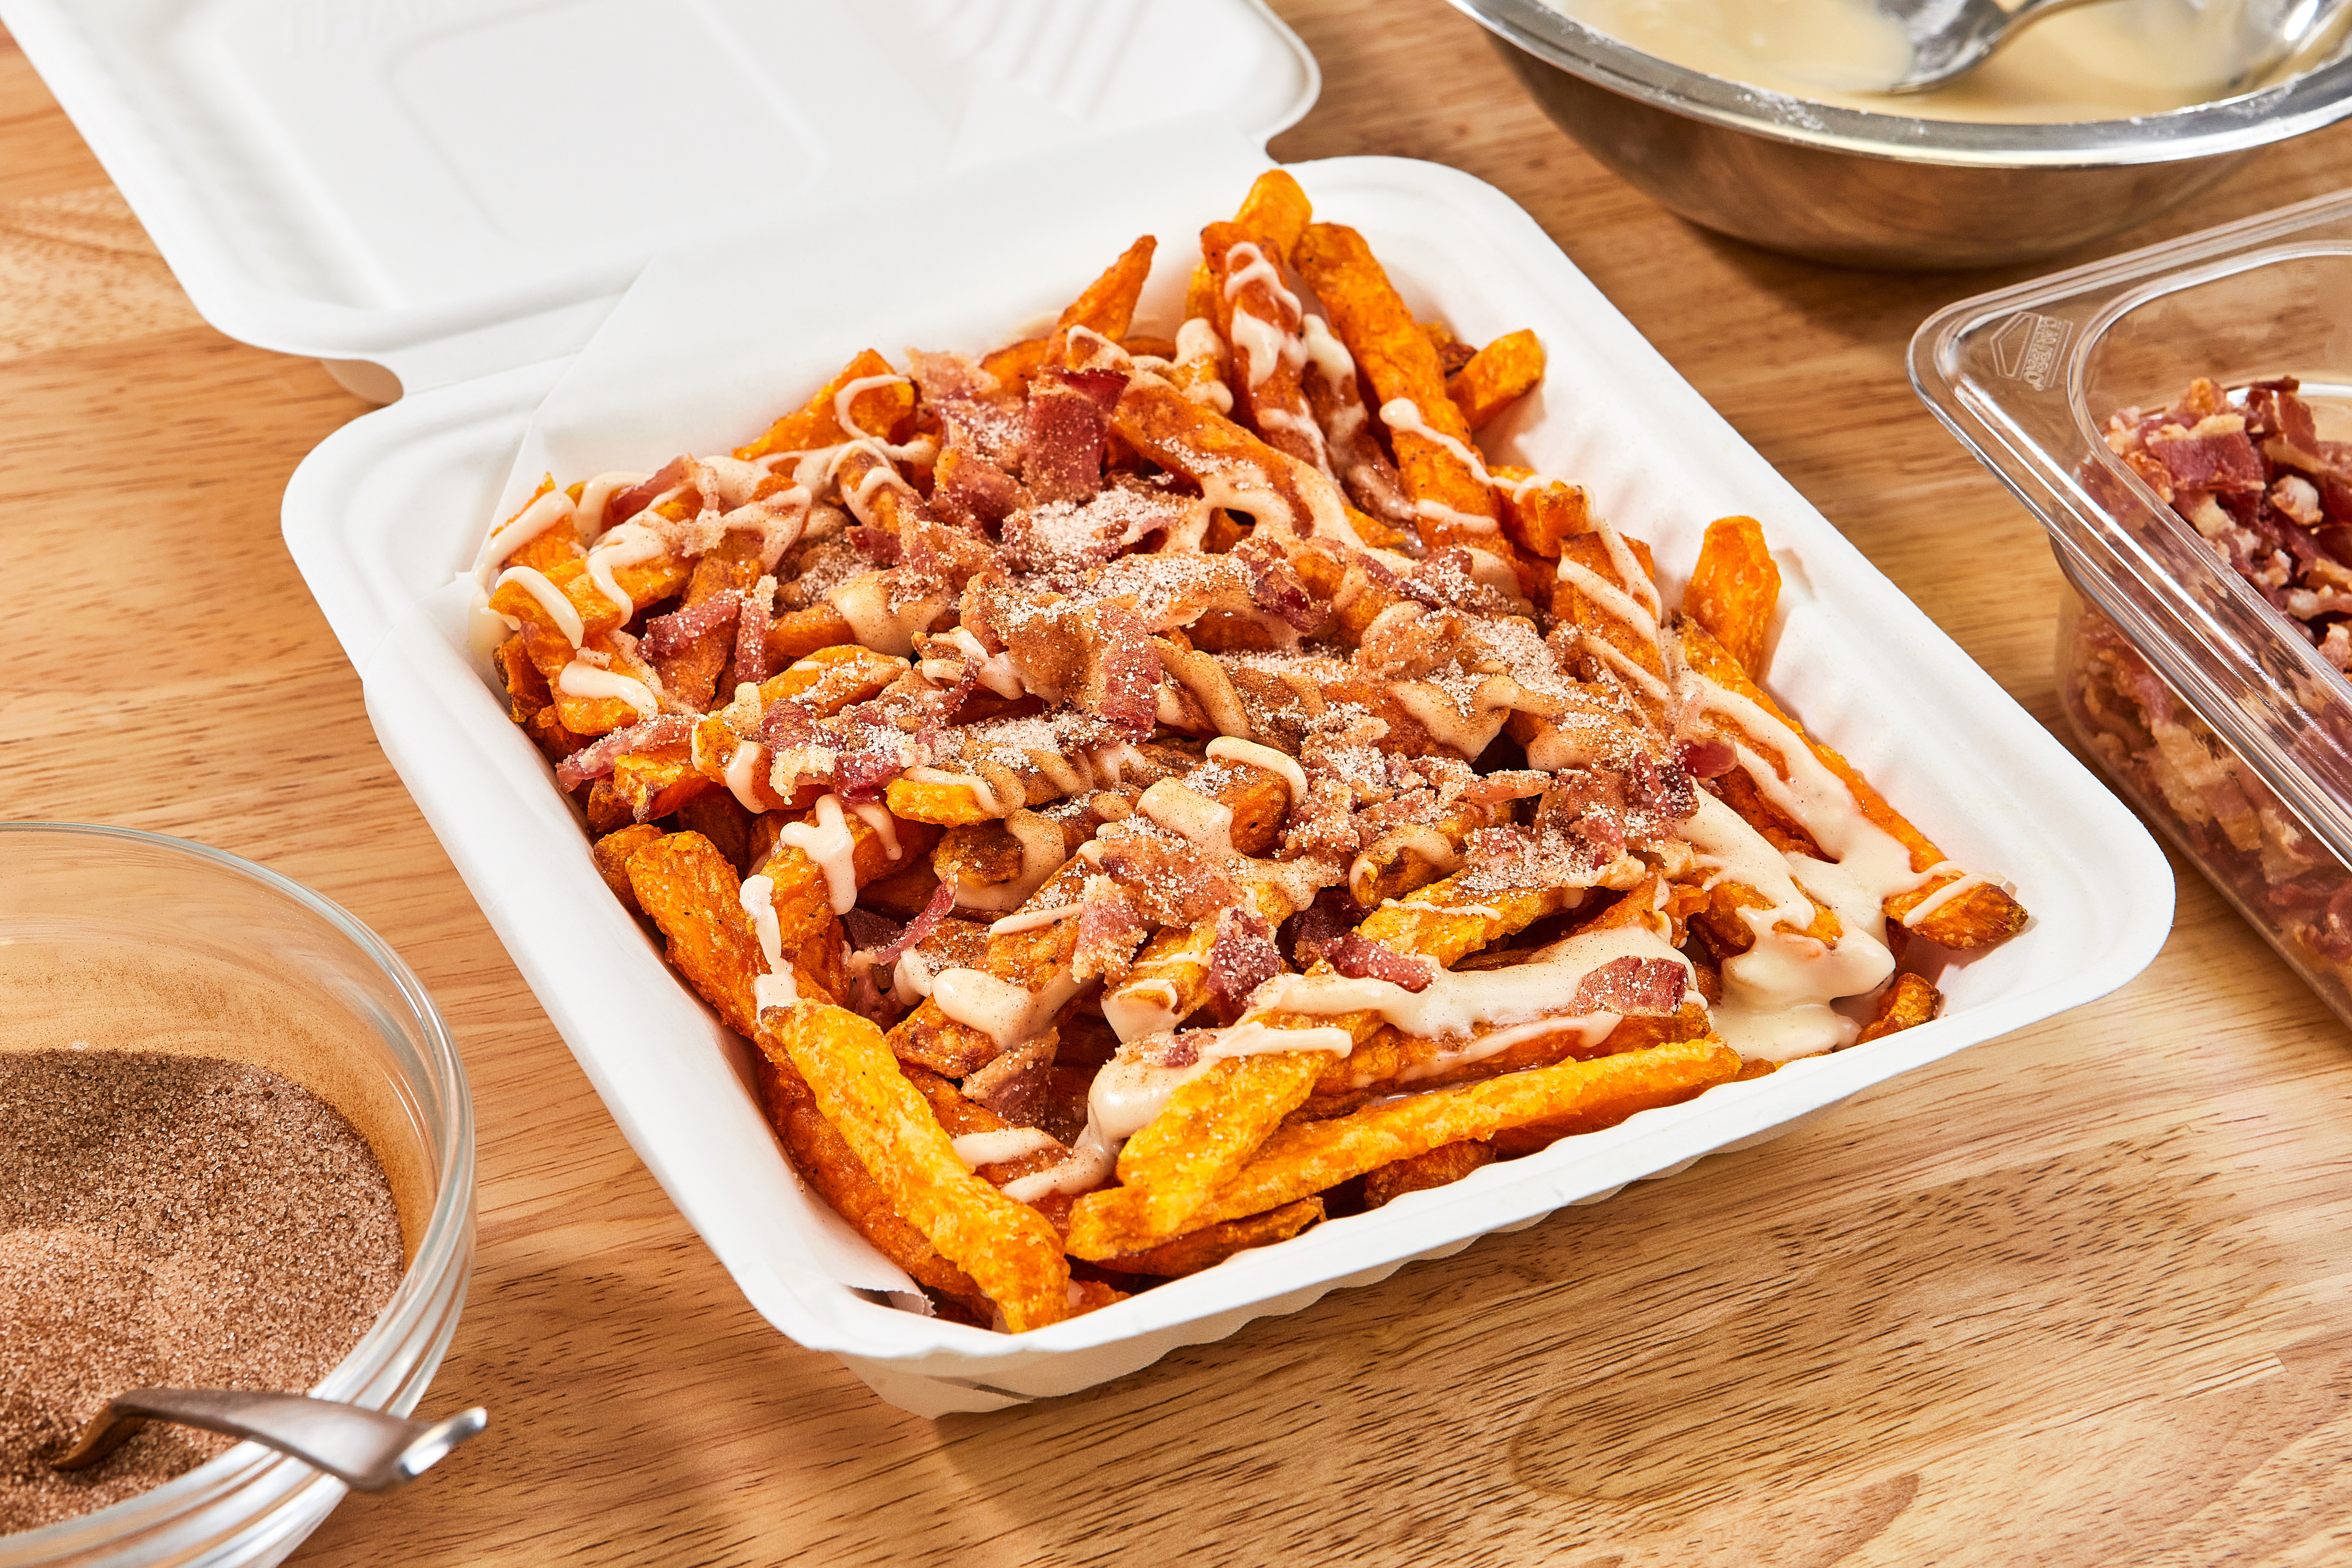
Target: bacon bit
(1708,758)
(869,1001)
(785,724)
(1121,685)
(863,928)
(596,761)
(1063,454)
(666,635)
(1102,385)
(1358,957)
(919,930)
(1170,882)
(1509,784)
(1661,788)
(1243,957)
(752,633)
(1109,930)
(2221,461)
(1632,988)
(1276,588)
(970,491)
(877,545)
(1315,927)
(637,497)
(1013,1085)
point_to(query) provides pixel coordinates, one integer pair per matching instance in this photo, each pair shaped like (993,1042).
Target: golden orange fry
(1734,588)
(1009,1249)
(1497,376)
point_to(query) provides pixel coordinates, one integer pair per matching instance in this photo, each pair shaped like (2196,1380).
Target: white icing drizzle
(1966,883)
(551,598)
(534,520)
(1619,601)
(588,516)
(849,393)
(742,774)
(1031,919)
(828,842)
(1438,511)
(1251,1038)
(1233,748)
(910,978)
(1457,1003)
(995,1148)
(1003,1011)
(580,679)
(1089,1162)
(1188,814)
(774,988)
(1043,851)
(627,545)
(1132,1012)
(877,815)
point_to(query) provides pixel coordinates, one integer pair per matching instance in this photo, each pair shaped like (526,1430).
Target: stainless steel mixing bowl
(1885,190)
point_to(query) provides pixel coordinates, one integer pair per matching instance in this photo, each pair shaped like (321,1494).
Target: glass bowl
(214,955)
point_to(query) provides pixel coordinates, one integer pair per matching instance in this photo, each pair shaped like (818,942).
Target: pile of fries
(1144,796)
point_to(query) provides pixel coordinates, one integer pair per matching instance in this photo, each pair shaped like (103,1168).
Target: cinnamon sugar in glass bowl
(112,939)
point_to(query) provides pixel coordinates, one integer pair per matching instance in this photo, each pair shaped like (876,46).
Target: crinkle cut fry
(1984,915)
(1390,1054)
(1393,353)
(1009,1249)
(823,1160)
(877,411)
(1734,588)
(1310,1156)
(1211,1124)
(695,897)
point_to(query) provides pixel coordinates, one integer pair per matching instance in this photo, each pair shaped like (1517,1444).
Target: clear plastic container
(2208,708)
(131,941)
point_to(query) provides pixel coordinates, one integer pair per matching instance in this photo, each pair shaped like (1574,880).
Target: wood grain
(2072,1297)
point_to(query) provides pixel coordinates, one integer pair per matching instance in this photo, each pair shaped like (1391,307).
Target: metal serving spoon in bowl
(1949,38)
(367,1449)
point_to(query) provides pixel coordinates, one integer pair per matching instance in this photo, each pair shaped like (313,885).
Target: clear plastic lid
(2027,377)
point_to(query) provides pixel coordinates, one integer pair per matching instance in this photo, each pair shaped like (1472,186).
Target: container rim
(2302,103)
(415,1309)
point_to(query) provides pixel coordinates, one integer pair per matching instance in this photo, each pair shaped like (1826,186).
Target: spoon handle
(367,1449)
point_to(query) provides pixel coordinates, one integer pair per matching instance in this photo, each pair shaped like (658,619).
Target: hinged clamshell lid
(448,187)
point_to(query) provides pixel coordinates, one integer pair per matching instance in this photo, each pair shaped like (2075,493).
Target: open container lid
(2026,378)
(424,192)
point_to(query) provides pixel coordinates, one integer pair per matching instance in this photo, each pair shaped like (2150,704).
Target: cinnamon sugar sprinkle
(169,1221)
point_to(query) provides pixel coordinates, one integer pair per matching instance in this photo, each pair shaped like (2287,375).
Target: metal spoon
(369,1451)
(1949,37)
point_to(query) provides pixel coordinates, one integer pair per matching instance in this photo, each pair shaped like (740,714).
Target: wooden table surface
(2074,1297)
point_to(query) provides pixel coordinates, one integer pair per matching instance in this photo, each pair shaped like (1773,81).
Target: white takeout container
(717,335)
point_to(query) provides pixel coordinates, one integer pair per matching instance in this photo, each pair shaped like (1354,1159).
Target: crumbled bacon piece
(877,545)
(1243,957)
(1062,460)
(1632,987)
(2220,460)
(1276,588)
(593,761)
(919,930)
(626,504)
(1169,881)
(671,634)
(1109,930)
(1709,758)
(1358,957)
(1315,927)
(752,633)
